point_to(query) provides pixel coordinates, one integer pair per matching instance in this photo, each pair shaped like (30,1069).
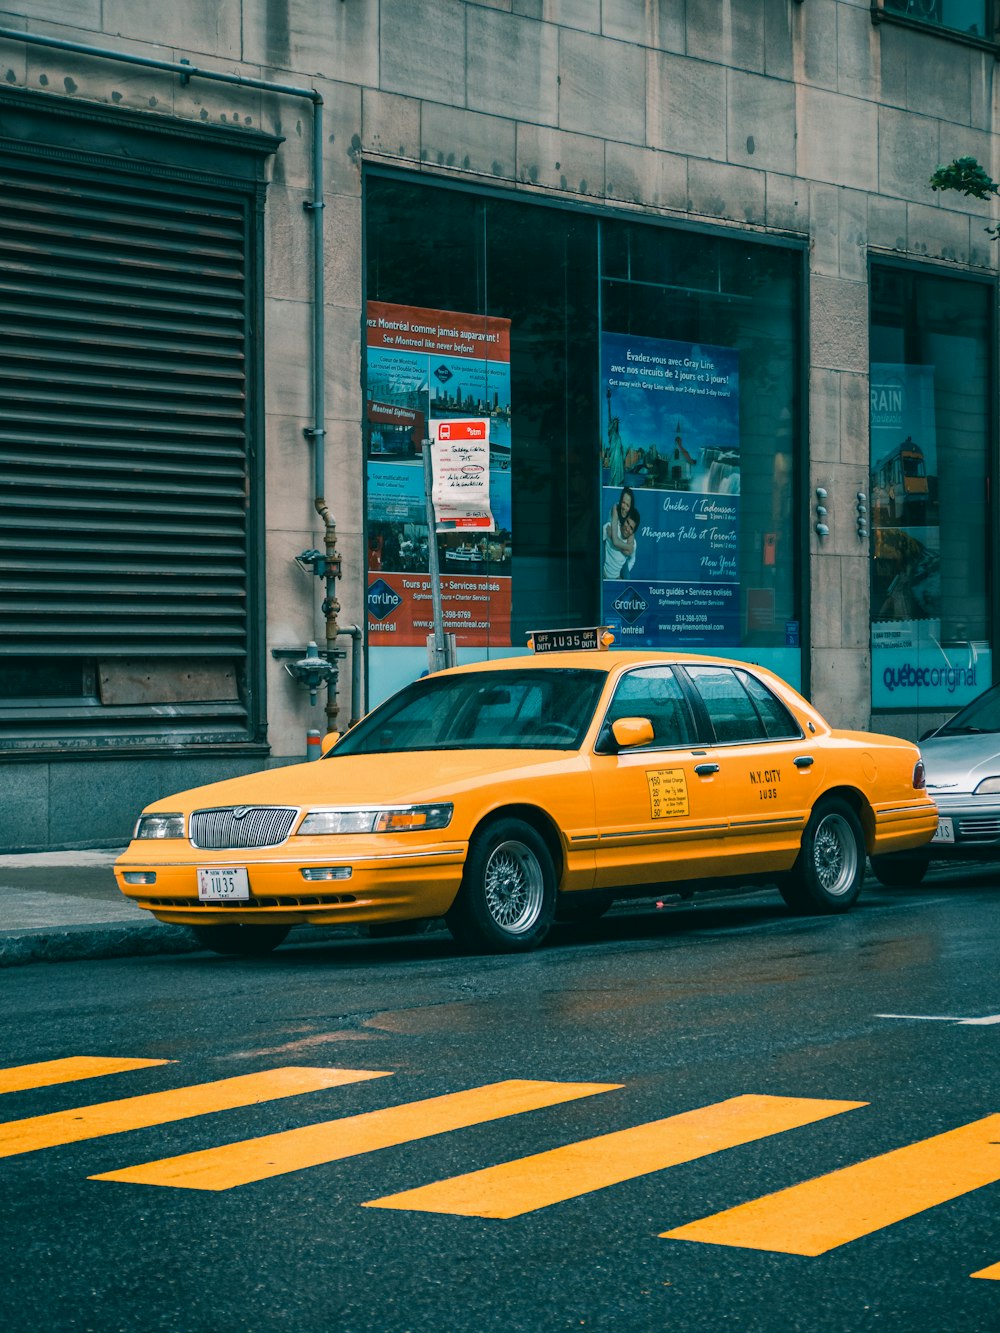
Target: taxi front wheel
(830,866)
(508,893)
(240,940)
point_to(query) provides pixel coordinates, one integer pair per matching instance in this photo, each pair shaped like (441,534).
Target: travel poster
(912,666)
(425,367)
(670,492)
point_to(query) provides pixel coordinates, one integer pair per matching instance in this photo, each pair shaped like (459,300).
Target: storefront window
(514,313)
(968,16)
(930,429)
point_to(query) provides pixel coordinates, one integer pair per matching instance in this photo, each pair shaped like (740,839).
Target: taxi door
(771,771)
(661,806)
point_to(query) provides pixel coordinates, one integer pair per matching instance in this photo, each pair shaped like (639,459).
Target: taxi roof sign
(591,639)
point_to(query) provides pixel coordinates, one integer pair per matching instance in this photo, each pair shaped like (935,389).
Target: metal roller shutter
(124,445)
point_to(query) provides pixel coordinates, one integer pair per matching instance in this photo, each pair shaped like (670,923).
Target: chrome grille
(241,826)
(983,829)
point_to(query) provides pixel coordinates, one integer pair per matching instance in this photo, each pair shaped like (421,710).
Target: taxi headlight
(159,826)
(395,819)
(988,787)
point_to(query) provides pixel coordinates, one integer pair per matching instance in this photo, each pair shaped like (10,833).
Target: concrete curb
(64,944)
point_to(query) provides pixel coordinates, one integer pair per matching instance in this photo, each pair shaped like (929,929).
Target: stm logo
(630,605)
(382,600)
(443,374)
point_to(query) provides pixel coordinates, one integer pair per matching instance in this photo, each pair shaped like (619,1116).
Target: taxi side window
(652,692)
(730,709)
(778,721)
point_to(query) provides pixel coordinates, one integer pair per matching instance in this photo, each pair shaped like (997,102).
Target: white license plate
(945,831)
(223,884)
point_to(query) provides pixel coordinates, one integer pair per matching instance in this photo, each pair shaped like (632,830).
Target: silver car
(962,762)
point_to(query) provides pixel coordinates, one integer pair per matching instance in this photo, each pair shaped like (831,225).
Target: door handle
(706,770)
(804,761)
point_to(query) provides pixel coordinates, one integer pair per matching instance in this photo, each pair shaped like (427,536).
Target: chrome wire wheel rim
(835,855)
(515,887)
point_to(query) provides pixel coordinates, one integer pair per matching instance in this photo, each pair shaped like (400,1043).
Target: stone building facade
(738,183)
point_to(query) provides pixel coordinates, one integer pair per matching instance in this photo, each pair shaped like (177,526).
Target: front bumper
(386,884)
(975,823)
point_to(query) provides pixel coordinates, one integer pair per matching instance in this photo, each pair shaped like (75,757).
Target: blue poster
(670,464)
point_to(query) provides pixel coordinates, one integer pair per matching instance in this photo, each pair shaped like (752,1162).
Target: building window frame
(917,21)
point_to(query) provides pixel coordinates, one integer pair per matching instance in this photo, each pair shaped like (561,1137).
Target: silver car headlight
(384,819)
(159,826)
(988,787)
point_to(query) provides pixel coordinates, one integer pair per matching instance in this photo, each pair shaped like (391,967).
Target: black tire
(580,909)
(900,870)
(508,895)
(829,869)
(240,940)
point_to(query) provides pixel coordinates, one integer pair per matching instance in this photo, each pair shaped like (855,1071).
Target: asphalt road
(759,1039)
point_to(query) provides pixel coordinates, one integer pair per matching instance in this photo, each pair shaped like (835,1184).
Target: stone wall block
(786,200)
(13,60)
(827,612)
(116,792)
(583,14)
(854,419)
(760,128)
(642,176)
(422,45)
(852,212)
(908,151)
(837,139)
(289,489)
(824,237)
(687,106)
(333,41)
(288,339)
(658,24)
(824,418)
(887,223)
(938,233)
(24,810)
(467,141)
(839,686)
(288,245)
(341,250)
(602,87)
(513,67)
(859,67)
(210,26)
(838,323)
(390,125)
(855,590)
(731,32)
(343,362)
(816,47)
(717,190)
(561,161)
(780,35)
(104,81)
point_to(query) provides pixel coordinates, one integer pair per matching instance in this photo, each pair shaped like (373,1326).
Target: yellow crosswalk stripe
(546,1178)
(992,1272)
(18,1078)
(234,1164)
(160,1108)
(832,1210)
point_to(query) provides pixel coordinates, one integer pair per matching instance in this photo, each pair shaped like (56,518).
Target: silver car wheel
(514,887)
(835,855)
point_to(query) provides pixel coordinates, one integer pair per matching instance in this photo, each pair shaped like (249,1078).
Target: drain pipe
(316,433)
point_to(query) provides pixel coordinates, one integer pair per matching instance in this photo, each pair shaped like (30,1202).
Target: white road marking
(946,1018)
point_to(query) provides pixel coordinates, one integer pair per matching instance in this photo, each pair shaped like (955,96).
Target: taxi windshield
(531,709)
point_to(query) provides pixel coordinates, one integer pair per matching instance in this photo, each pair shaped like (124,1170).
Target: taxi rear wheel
(508,893)
(234,938)
(830,866)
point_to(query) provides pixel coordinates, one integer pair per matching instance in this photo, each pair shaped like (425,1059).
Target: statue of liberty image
(616,450)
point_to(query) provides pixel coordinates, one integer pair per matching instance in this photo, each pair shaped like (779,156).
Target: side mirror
(329,741)
(630,731)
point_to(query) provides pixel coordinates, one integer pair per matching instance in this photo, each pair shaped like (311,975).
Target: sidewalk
(60,906)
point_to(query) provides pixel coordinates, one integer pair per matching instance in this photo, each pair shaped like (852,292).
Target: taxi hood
(376,779)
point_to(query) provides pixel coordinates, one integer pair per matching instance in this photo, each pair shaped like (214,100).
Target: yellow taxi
(505,795)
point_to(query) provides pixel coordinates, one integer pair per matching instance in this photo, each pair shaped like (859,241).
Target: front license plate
(945,831)
(223,884)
